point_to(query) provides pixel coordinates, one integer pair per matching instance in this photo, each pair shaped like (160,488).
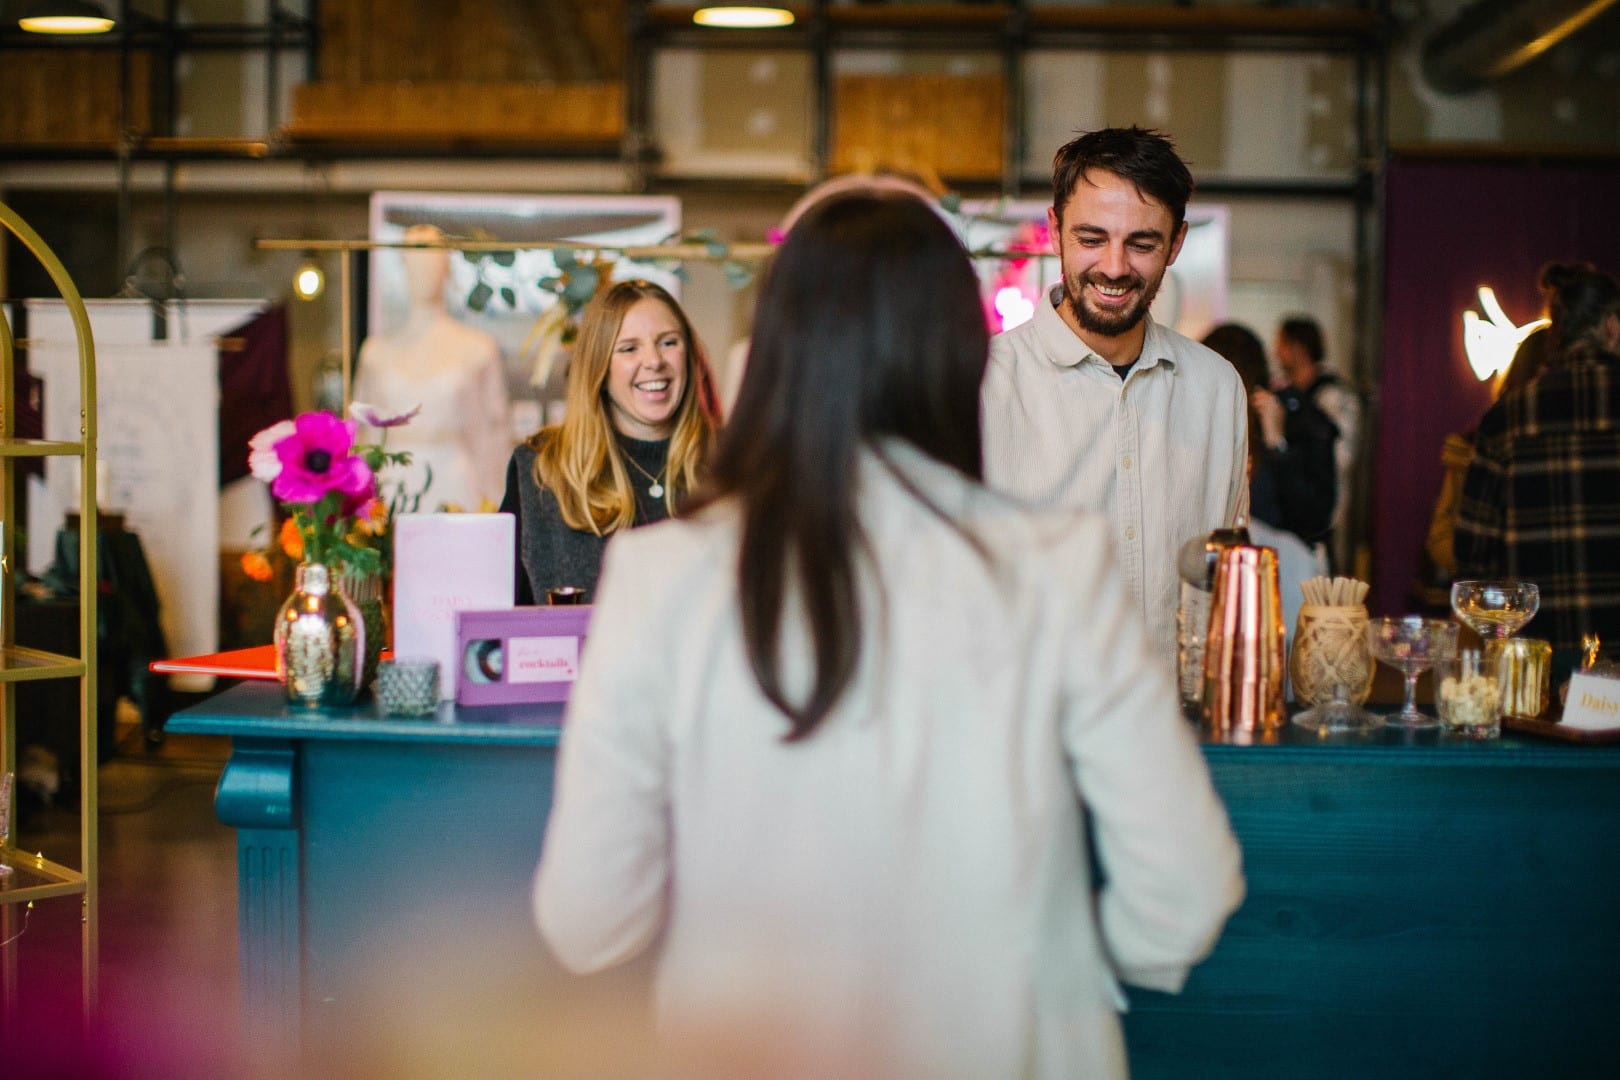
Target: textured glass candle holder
(1332,668)
(1468,696)
(408,687)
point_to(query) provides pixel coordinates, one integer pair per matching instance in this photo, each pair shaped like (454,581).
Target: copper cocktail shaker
(1196,565)
(1243,658)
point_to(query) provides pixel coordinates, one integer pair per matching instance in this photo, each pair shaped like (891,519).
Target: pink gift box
(443,564)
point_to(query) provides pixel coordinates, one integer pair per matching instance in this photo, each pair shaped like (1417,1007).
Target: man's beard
(1109,323)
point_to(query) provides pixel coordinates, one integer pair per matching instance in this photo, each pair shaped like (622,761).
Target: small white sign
(542,659)
(1593,703)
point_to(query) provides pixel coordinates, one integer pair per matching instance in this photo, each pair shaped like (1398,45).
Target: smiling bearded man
(1093,405)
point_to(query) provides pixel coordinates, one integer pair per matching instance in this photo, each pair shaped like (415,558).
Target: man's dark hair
(1303,331)
(1145,157)
(847,348)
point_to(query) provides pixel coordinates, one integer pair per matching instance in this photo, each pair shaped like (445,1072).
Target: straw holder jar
(1331,659)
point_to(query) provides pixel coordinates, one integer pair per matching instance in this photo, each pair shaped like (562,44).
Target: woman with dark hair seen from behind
(1541,499)
(839,730)
(637,428)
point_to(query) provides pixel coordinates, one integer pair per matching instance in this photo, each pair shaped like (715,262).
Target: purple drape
(253,388)
(1451,227)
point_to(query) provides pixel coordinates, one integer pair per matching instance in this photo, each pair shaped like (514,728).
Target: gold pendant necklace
(656,488)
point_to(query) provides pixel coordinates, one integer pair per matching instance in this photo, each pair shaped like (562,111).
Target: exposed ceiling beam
(1492,38)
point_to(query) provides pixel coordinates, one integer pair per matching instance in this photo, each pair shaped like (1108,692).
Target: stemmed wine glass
(1411,644)
(1495,609)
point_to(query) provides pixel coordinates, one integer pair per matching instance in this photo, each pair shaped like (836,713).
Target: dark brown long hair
(1243,350)
(869,324)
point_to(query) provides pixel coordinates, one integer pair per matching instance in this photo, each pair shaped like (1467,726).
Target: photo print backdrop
(612,220)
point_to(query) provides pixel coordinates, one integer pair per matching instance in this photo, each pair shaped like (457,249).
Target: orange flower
(372,519)
(256,566)
(292,541)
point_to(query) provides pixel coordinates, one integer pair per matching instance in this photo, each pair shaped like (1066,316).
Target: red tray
(257,662)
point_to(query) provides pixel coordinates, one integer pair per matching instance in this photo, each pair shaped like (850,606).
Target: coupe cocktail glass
(1495,609)
(1411,644)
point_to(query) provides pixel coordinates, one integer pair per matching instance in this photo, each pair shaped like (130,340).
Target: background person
(1291,473)
(1308,380)
(453,371)
(1432,589)
(632,442)
(1541,500)
(839,731)
(1094,406)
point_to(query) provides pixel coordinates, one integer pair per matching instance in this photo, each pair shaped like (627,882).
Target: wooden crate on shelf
(542,114)
(69,97)
(384,40)
(944,125)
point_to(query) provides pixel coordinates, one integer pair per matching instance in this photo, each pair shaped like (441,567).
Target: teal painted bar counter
(356,833)
(1417,906)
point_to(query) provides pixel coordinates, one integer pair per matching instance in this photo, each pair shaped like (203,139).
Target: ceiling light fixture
(309,281)
(743,18)
(65,17)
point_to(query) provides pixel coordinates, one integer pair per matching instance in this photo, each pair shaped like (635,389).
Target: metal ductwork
(1489,39)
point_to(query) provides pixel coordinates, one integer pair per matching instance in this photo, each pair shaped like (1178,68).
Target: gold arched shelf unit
(32,876)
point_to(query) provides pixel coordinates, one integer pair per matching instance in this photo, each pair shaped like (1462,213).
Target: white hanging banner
(158,434)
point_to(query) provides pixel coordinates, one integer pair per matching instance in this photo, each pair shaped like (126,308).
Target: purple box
(519,654)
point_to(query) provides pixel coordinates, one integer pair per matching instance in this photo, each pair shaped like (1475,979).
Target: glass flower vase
(369,593)
(320,640)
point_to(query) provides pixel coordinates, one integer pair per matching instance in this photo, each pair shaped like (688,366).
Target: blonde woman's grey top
(549,553)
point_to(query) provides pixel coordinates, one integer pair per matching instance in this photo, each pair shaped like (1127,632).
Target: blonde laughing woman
(631,445)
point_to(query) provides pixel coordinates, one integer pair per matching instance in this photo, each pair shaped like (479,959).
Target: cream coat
(907,892)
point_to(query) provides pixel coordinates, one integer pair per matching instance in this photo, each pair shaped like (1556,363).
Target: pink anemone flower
(316,459)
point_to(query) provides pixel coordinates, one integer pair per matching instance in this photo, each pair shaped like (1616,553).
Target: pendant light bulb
(65,17)
(744,17)
(309,281)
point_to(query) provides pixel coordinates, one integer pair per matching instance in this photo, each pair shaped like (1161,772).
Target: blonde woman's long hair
(579,460)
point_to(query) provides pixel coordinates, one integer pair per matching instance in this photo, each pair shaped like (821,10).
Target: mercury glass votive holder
(408,687)
(1523,666)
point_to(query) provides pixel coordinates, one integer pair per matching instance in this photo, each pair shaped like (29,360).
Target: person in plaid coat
(1541,499)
